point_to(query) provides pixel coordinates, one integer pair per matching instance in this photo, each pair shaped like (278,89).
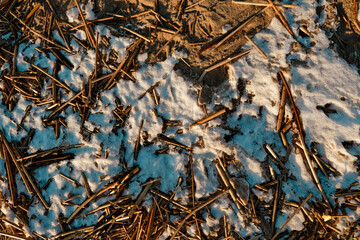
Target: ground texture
(179,120)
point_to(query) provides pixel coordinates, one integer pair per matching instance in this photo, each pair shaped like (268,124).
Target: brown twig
(218,42)
(106,188)
(264,4)
(291,216)
(206,119)
(281,113)
(86,185)
(255,46)
(137,144)
(87,30)
(210,200)
(282,19)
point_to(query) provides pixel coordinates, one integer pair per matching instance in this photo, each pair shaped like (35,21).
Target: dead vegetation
(125,217)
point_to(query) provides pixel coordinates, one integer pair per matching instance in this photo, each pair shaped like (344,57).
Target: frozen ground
(317,76)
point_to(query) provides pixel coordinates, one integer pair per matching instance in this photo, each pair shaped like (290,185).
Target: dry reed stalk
(210,200)
(255,46)
(264,4)
(291,216)
(89,34)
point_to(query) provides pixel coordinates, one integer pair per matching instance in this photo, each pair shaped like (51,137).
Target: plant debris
(153,213)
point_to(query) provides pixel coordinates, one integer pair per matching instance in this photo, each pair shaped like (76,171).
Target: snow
(319,77)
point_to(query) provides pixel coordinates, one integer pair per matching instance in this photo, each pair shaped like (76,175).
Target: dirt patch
(200,25)
(342,26)
(189,28)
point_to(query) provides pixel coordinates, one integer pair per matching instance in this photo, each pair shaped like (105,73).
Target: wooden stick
(71,198)
(77,230)
(173,142)
(304,30)
(347,194)
(4,59)
(140,198)
(275,157)
(27,112)
(211,117)
(86,185)
(152,213)
(230,34)
(110,203)
(33,185)
(155,96)
(255,46)
(292,215)
(62,59)
(12,224)
(193,5)
(320,165)
(276,200)
(74,182)
(317,181)
(280,76)
(106,188)
(65,104)
(102,78)
(212,199)
(38,34)
(170,200)
(355,13)
(150,182)
(282,18)
(149,90)
(49,151)
(64,85)
(13,67)
(316,160)
(14,159)
(62,34)
(228,185)
(11,179)
(112,78)
(192,180)
(87,30)
(44,187)
(165,30)
(12,236)
(281,113)
(227,60)
(285,144)
(52,9)
(264,4)
(35,163)
(137,144)
(32,12)
(134,50)
(287,126)
(10,7)
(193,189)
(163,46)
(135,33)
(132,16)
(302,139)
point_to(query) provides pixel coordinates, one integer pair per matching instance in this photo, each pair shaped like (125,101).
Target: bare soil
(199,25)
(205,22)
